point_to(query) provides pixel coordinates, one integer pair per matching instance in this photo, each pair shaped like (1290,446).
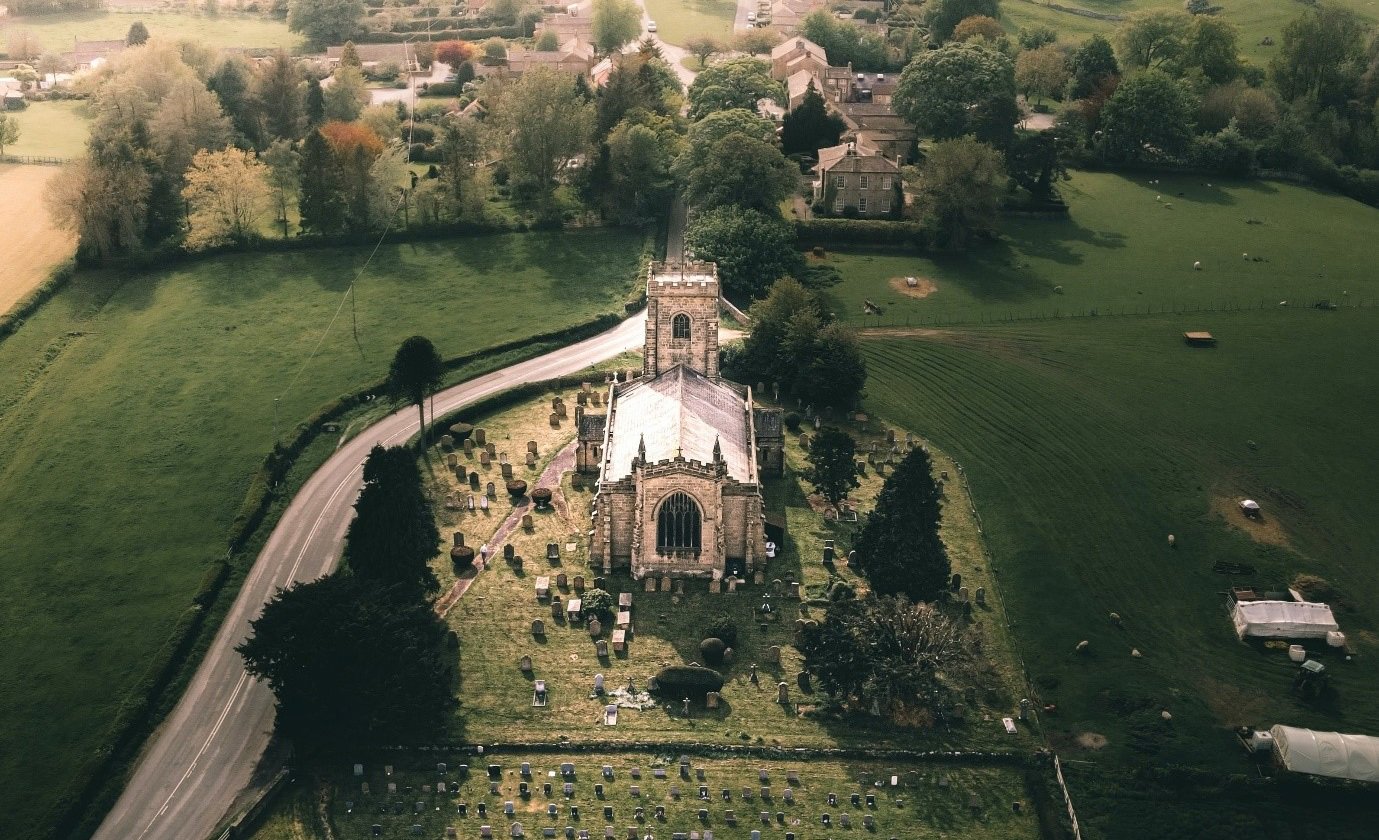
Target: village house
(86,55)
(373,56)
(853,180)
(575,57)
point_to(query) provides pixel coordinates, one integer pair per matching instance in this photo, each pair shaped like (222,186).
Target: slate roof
(799,42)
(680,412)
(591,427)
(838,159)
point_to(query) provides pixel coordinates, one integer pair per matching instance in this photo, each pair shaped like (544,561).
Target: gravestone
(480,437)
(758,577)
(490,491)
(556,610)
(538,627)
(962,594)
(526,664)
(531,447)
(561,581)
(772,654)
(598,689)
(795,590)
(581,400)
(955,582)
(358,770)
(507,471)
(491,449)
(802,679)
(509,551)
(451,460)
(473,483)
(711,699)
(665,583)
(554,420)
(601,649)
(483,458)
(579,584)
(715,586)
(650,584)
(531,461)
(595,627)
(624,598)
(782,693)
(789,796)
(468,447)
(527,523)
(981,596)
(732,584)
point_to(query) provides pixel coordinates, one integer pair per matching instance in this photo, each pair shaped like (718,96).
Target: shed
(1199,338)
(1282,620)
(1332,754)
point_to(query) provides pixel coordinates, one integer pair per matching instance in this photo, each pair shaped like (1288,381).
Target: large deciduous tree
(737,83)
(743,171)
(752,249)
(1092,64)
(959,190)
(616,22)
(705,134)
(540,127)
(460,142)
(889,655)
(703,46)
(898,546)
(231,83)
(9,131)
(393,537)
(348,663)
(1320,57)
(278,93)
(640,154)
(832,468)
(325,22)
(810,126)
(415,374)
(943,16)
(1152,38)
(1149,117)
(1041,72)
(137,34)
(226,193)
(960,89)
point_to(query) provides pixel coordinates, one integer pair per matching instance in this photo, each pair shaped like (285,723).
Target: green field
(58,31)
(1124,250)
(928,800)
(134,409)
(679,20)
(1088,442)
(1254,18)
(52,129)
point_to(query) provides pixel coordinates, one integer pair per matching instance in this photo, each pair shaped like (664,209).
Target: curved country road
(202,757)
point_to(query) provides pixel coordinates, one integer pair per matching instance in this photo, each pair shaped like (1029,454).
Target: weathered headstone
(772,654)
(711,699)
(595,627)
(509,551)
(480,437)
(468,446)
(758,577)
(732,584)
(526,664)
(665,583)
(579,584)
(527,523)
(531,461)
(538,627)
(715,586)
(507,470)
(601,649)
(795,590)
(484,458)
(981,596)
(649,584)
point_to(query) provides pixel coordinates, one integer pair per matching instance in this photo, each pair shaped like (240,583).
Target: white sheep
(1197,266)
(1244,256)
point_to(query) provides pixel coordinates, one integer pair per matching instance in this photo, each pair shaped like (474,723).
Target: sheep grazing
(1172,540)
(1197,266)
(1083,645)
(1244,256)
(1158,198)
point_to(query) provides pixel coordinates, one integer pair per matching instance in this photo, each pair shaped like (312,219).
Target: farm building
(1282,620)
(1335,755)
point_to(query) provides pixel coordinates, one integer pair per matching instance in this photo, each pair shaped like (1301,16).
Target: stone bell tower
(681,318)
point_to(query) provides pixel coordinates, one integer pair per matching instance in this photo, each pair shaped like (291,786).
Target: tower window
(678,525)
(680,326)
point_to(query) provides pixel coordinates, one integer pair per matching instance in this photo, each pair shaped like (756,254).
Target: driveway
(409,94)
(744,8)
(674,55)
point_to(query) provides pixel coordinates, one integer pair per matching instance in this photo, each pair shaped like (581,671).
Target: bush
(517,488)
(416,132)
(1315,588)
(711,650)
(442,89)
(596,603)
(723,628)
(792,421)
(541,496)
(461,431)
(873,231)
(692,681)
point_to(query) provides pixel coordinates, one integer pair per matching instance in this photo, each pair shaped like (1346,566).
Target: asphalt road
(202,758)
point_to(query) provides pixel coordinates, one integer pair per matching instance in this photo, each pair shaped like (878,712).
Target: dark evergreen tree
(137,35)
(809,126)
(832,470)
(415,374)
(278,95)
(351,664)
(1092,64)
(230,83)
(393,536)
(898,547)
(315,103)
(319,202)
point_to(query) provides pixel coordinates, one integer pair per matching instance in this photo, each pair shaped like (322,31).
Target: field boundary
(43,160)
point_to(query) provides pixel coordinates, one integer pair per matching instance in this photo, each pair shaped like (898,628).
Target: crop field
(133,410)
(679,20)
(494,617)
(1125,249)
(1256,19)
(32,246)
(52,129)
(1087,442)
(58,31)
(925,801)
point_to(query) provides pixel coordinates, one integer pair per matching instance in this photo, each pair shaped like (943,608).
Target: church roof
(681,412)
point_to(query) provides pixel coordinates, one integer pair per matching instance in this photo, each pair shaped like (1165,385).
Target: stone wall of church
(668,297)
(614,518)
(705,491)
(744,530)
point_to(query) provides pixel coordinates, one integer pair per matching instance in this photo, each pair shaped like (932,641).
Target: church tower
(681,318)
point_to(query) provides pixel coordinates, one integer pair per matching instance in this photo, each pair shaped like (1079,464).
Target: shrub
(792,421)
(416,132)
(542,497)
(517,487)
(693,681)
(723,628)
(1315,588)
(712,651)
(442,89)
(461,431)
(596,602)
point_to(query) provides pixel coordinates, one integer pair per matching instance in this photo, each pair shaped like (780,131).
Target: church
(680,452)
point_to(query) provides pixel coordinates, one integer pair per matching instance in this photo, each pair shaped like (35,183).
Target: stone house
(373,56)
(797,54)
(681,451)
(575,57)
(851,178)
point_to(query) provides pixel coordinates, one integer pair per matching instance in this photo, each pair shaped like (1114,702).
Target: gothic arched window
(678,525)
(680,327)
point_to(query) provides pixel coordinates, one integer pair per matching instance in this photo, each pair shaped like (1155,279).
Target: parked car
(651,26)
(751,17)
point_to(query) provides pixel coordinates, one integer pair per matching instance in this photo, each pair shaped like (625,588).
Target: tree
(898,546)
(826,363)
(347,94)
(1320,57)
(705,134)
(137,34)
(541,127)
(943,16)
(548,42)
(701,47)
(1034,161)
(1148,117)
(1033,39)
(103,198)
(349,56)
(188,119)
(844,43)
(461,146)
(888,654)
(455,53)
(832,468)
(756,41)
(959,190)
(9,132)
(736,83)
(230,83)
(348,662)
(639,160)
(615,23)
(810,126)
(415,374)
(638,83)
(1091,65)
(752,249)
(393,536)
(959,89)
(1211,47)
(51,62)
(743,171)
(319,201)
(325,21)
(226,193)
(284,177)
(278,97)
(315,103)
(1152,38)
(978,26)
(505,11)
(1042,72)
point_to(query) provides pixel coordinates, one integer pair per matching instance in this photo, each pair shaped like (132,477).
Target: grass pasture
(1121,250)
(161,388)
(52,129)
(928,801)
(680,20)
(58,31)
(1087,442)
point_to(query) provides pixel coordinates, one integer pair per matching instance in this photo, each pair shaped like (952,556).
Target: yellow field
(31,246)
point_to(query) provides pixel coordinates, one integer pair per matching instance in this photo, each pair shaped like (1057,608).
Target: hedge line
(93,792)
(476,33)
(869,231)
(41,294)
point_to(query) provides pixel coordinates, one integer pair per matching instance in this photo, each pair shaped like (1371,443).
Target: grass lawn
(52,129)
(494,620)
(32,246)
(1123,250)
(134,409)
(679,20)
(1254,18)
(1088,442)
(225,30)
(928,801)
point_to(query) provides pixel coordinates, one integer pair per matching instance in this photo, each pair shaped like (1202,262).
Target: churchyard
(173,375)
